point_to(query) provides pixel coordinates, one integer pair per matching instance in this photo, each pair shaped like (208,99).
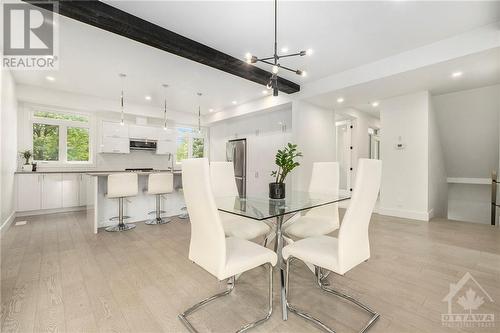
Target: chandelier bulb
(275,69)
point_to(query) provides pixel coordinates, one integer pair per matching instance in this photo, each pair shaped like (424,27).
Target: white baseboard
(8,221)
(406,214)
(50,211)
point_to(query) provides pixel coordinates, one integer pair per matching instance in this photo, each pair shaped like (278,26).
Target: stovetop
(139,169)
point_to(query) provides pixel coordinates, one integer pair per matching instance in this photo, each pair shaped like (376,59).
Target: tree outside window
(61,137)
(190,144)
(45,142)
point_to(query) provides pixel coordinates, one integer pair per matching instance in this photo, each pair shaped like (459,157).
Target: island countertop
(95,172)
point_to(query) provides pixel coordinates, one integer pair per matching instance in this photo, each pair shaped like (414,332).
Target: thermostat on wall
(399,146)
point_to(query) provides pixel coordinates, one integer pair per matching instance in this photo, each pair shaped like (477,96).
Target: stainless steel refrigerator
(236,152)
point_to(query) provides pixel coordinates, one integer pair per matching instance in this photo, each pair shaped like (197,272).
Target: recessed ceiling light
(375,104)
(147,98)
(340,100)
(234,102)
(264,92)
(456,74)
(284,49)
(50,78)
(210,110)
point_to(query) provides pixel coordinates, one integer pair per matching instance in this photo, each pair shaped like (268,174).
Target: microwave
(141,144)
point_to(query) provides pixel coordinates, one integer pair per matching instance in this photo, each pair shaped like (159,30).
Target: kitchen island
(100,209)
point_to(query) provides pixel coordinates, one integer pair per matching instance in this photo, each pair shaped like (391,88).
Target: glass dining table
(261,207)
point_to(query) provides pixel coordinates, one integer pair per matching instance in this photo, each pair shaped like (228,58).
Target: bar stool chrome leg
(158,219)
(121,225)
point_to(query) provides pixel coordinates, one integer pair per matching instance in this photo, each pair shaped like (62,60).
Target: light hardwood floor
(56,276)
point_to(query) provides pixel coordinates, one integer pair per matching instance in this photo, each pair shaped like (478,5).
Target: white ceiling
(342,34)
(480,69)
(90,60)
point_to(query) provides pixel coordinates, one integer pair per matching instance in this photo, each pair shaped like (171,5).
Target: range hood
(142,144)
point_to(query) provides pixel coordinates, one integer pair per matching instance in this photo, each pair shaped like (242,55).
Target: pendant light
(165,86)
(275,58)
(122,120)
(199,112)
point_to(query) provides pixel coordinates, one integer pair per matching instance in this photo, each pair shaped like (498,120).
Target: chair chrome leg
(231,284)
(305,315)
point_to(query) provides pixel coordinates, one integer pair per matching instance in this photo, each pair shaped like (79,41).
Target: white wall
(265,133)
(469,202)
(8,147)
(438,186)
(468,121)
(404,188)
(469,126)
(314,133)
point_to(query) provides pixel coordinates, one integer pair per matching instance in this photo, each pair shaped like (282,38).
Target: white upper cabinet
(114,130)
(142,132)
(115,138)
(166,141)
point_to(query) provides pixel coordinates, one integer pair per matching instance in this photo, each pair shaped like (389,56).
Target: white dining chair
(209,248)
(224,185)
(320,220)
(351,247)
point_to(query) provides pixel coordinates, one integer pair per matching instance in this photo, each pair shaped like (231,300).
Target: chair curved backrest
(208,245)
(222,179)
(325,179)
(160,183)
(354,246)
(124,184)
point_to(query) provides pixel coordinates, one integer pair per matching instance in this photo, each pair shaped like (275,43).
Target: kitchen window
(61,138)
(190,143)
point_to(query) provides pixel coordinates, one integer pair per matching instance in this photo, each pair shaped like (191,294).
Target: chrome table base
(231,284)
(307,316)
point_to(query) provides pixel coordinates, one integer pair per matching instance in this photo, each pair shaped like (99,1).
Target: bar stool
(122,185)
(159,184)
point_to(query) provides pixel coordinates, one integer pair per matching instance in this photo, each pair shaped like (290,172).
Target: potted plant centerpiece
(27,156)
(285,160)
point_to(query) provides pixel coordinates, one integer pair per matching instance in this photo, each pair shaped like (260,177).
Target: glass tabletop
(260,207)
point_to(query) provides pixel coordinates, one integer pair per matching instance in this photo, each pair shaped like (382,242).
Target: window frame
(63,125)
(190,135)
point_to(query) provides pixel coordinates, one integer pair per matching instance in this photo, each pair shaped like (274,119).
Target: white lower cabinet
(50,191)
(52,188)
(70,189)
(29,192)
(82,195)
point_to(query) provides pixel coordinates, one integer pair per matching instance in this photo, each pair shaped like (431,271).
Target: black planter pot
(277,190)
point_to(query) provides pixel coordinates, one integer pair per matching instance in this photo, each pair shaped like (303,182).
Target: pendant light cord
(275,31)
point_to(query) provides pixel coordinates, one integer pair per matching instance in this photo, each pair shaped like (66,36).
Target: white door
(29,192)
(70,189)
(52,191)
(83,189)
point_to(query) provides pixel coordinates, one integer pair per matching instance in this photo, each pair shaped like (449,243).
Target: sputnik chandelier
(274,60)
